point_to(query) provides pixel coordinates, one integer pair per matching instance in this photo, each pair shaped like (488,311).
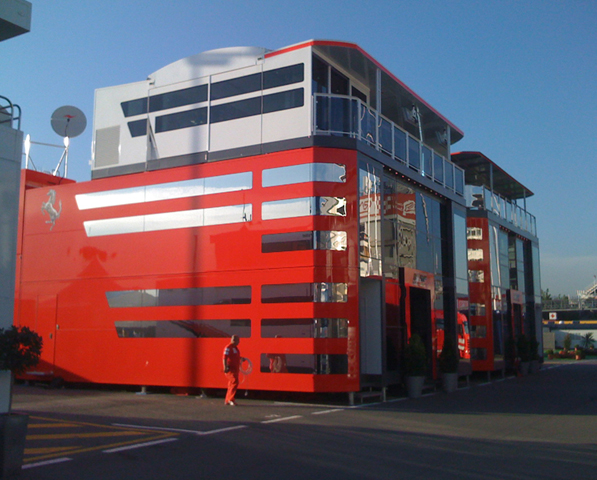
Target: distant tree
(545,296)
(587,340)
(567,342)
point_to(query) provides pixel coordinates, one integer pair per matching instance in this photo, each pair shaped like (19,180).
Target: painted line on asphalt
(47,462)
(140,445)
(227,429)
(323,412)
(283,419)
(181,430)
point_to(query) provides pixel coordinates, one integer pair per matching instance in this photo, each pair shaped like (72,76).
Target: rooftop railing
(339,115)
(9,113)
(481,198)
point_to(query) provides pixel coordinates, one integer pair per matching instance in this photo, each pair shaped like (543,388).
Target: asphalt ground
(539,426)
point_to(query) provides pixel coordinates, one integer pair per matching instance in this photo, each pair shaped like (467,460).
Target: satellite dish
(68,121)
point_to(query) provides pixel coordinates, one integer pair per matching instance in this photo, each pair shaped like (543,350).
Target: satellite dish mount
(68,122)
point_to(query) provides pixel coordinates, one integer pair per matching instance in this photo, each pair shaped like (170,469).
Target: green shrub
(449,357)
(415,357)
(20,349)
(523,348)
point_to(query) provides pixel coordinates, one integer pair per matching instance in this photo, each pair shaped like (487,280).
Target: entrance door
(46,327)
(420,319)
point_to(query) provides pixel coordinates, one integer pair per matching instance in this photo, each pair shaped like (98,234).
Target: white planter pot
(450,382)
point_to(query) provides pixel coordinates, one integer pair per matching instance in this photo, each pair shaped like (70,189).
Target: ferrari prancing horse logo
(49,207)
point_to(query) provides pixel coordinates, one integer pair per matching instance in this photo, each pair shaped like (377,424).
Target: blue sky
(518,77)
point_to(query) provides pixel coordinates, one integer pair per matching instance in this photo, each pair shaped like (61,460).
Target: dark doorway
(420,318)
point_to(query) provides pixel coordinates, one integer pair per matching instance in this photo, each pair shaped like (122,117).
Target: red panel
(62,262)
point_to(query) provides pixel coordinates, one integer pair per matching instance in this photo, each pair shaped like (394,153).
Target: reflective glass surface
(179,120)
(305,292)
(304,327)
(370,240)
(179,297)
(312,240)
(427,162)
(400,144)
(303,207)
(165,191)
(307,172)
(414,153)
(169,221)
(313,364)
(183,328)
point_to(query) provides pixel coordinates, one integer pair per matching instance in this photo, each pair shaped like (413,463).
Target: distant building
(303,199)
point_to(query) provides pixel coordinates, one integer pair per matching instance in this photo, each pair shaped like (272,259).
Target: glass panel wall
(369,222)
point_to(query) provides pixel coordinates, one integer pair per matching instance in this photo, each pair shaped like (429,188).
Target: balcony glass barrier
(339,115)
(481,198)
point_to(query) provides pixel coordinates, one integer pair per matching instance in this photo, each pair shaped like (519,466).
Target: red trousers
(232,386)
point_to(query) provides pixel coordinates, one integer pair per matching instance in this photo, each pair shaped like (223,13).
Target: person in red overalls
(232,360)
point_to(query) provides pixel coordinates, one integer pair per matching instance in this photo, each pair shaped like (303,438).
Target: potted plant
(415,366)
(448,364)
(550,354)
(579,353)
(20,348)
(524,353)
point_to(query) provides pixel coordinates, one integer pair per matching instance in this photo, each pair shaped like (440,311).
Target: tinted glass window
(284,242)
(240,109)
(187,96)
(357,93)
(236,86)
(283,100)
(449,173)
(320,76)
(414,154)
(283,76)
(307,172)
(179,297)
(339,83)
(400,144)
(176,121)
(304,363)
(318,240)
(438,168)
(304,292)
(183,328)
(138,128)
(427,161)
(304,328)
(134,107)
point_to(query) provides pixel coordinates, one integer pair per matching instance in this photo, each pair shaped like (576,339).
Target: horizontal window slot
(166,191)
(179,297)
(183,328)
(307,172)
(169,221)
(304,207)
(312,240)
(179,120)
(305,292)
(311,364)
(138,128)
(304,328)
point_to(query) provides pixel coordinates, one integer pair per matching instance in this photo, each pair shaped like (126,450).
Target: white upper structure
(244,101)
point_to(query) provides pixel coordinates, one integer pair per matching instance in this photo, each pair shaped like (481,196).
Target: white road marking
(283,419)
(140,445)
(181,430)
(47,462)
